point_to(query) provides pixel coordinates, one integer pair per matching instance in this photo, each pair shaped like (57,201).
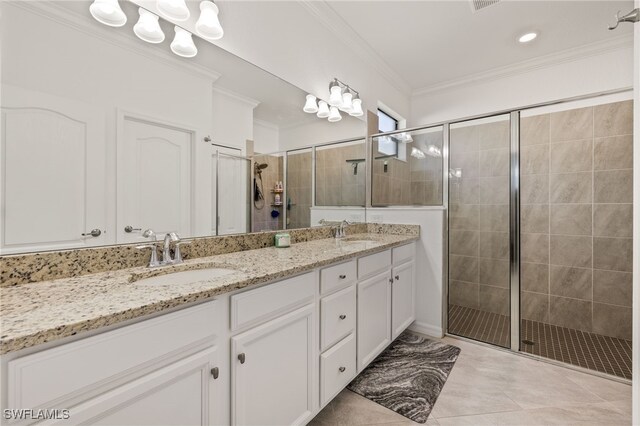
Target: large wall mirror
(105,135)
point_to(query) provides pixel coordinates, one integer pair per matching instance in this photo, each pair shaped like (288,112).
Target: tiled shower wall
(479,216)
(262,219)
(299,189)
(576,218)
(336,183)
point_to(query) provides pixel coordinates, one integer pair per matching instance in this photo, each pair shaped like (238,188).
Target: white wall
(266,137)
(319,130)
(429,261)
(604,71)
(231,118)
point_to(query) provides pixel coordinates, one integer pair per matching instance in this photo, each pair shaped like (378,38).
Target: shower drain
(529,342)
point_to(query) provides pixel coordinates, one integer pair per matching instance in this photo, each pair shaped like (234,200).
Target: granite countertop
(45,311)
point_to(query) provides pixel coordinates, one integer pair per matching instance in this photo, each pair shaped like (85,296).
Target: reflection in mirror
(298,188)
(341,174)
(407,168)
(105,135)
(268,192)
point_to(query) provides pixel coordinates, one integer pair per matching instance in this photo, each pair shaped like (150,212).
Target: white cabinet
(374,317)
(337,368)
(182,393)
(272,371)
(402,298)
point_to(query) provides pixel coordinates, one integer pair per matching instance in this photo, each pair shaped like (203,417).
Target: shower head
(258,167)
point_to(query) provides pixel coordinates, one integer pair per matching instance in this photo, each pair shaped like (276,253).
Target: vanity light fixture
(310,106)
(347,100)
(323,109)
(356,111)
(173,9)
(334,114)
(526,38)
(148,28)
(415,152)
(208,25)
(182,44)
(335,93)
(108,12)
(434,151)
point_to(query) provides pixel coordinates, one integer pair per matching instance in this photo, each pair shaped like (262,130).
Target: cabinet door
(272,371)
(374,317)
(402,299)
(182,393)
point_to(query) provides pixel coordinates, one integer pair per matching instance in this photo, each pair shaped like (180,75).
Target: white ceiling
(428,43)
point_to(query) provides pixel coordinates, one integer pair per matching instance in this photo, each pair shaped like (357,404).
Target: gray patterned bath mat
(408,376)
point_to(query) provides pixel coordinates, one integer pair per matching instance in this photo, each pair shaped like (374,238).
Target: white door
(402,299)
(272,371)
(183,393)
(230,200)
(52,171)
(154,178)
(374,317)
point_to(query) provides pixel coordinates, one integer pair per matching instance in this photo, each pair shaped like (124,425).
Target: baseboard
(428,329)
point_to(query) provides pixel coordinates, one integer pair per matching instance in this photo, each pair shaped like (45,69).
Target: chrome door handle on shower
(94,233)
(129,229)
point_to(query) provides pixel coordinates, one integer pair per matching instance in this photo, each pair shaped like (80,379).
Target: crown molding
(266,124)
(61,15)
(237,96)
(335,23)
(546,61)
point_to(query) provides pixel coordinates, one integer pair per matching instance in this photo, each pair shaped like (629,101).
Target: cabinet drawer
(374,263)
(337,316)
(75,370)
(337,368)
(337,276)
(403,253)
(258,305)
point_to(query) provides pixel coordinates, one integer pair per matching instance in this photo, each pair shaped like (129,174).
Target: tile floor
(491,387)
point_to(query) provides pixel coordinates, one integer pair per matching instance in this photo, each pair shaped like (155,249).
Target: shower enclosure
(539,237)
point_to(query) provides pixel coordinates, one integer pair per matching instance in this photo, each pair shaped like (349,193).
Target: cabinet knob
(215,372)
(391,280)
(397,277)
(242,358)
(342,277)
(343,316)
(341,369)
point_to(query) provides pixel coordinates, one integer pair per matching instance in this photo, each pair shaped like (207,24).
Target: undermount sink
(357,240)
(186,277)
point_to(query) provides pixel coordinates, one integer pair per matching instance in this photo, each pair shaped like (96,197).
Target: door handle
(341,369)
(215,372)
(94,233)
(242,357)
(129,229)
(343,316)
(342,277)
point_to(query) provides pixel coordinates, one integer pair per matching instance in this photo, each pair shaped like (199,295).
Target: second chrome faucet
(170,237)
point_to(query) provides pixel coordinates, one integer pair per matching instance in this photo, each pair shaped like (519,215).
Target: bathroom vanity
(259,351)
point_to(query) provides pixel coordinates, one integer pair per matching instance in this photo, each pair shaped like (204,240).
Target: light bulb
(334,114)
(335,94)
(108,12)
(182,44)
(148,28)
(310,106)
(356,111)
(434,151)
(323,110)
(208,25)
(347,101)
(176,10)
(415,152)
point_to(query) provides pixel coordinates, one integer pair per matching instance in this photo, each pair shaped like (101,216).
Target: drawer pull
(341,369)
(342,277)
(242,358)
(397,277)
(343,316)
(215,372)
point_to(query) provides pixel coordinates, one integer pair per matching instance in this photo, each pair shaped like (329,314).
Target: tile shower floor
(588,350)
(493,387)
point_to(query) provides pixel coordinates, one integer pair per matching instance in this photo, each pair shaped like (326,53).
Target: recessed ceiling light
(526,38)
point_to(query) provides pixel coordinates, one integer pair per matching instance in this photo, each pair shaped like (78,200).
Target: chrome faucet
(341,232)
(166,249)
(153,261)
(170,237)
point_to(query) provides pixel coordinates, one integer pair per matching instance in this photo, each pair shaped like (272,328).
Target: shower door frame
(514,215)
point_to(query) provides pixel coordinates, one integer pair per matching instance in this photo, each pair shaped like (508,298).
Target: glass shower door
(479,230)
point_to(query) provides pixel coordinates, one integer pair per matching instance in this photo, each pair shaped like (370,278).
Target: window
(386,123)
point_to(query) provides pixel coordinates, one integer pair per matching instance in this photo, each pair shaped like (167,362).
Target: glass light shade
(173,9)
(310,105)
(148,28)
(434,151)
(334,114)
(108,12)
(356,111)
(323,109)
(347,101)
(182,44)
(208,25)
(335,98)
(415,152)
